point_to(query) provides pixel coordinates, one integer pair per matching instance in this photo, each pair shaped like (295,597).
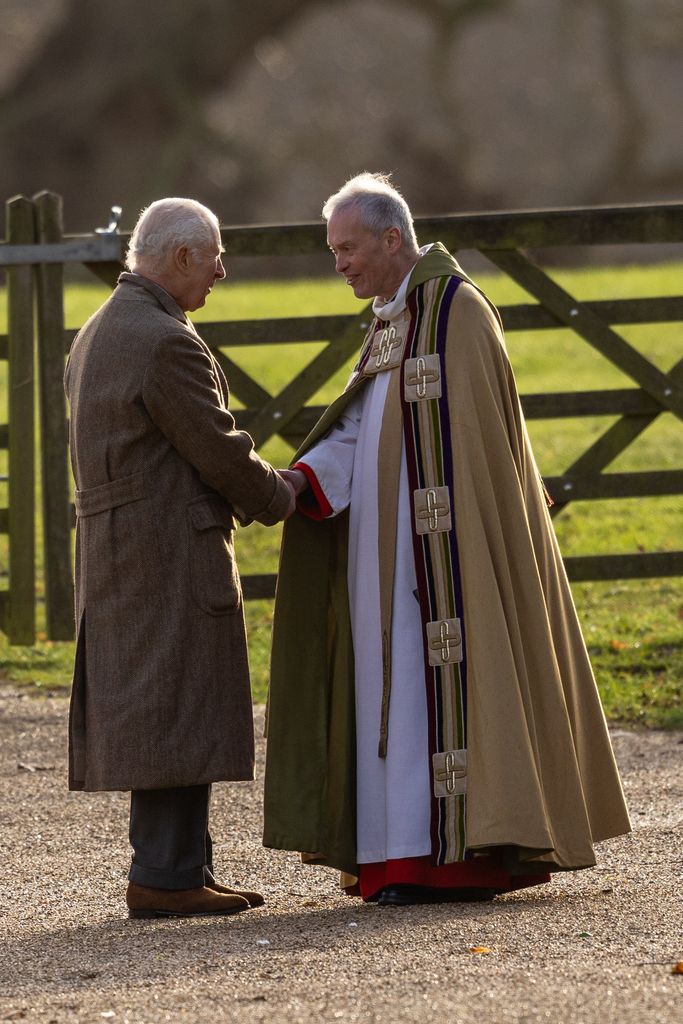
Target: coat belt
(116,492)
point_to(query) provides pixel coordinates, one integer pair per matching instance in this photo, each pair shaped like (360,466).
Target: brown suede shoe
(144,902)
(254,899)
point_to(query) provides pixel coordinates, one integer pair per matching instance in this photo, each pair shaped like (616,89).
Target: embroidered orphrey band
(427,434)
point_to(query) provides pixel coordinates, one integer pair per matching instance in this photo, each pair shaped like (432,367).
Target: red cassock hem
(485,872)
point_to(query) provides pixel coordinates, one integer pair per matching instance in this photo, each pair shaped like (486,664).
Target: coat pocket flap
(207,513)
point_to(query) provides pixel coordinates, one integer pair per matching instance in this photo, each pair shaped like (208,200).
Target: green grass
(634,629)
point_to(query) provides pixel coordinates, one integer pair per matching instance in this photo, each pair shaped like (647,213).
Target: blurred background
(261,109)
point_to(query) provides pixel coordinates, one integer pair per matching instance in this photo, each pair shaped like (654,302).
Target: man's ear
(182,258)
(392,237)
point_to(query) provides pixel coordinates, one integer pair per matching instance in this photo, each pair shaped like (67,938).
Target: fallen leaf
(479,949)
(618,645)
(677,968)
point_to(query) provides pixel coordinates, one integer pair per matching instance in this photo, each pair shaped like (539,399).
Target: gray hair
(166,225)
(380,205)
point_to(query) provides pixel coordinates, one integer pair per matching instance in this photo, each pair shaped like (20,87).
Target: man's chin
(362,293)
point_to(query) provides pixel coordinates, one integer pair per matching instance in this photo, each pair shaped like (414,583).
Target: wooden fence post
(53,426)
(21,627)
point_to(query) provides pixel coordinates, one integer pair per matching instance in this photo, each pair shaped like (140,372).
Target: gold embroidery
(387,348)
(444,640)
(387,340)
(422,378)
(432,510)
(450,772)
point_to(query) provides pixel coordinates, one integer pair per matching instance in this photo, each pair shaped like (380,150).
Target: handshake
(297,482)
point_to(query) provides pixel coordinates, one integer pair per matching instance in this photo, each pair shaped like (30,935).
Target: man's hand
(297,482)
(292,501)
(295,478)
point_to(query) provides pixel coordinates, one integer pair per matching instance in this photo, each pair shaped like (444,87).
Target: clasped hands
(297,482)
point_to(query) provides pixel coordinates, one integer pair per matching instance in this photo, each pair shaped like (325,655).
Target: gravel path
(595,946)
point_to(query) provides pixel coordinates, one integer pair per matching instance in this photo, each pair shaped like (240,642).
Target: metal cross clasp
(387,339)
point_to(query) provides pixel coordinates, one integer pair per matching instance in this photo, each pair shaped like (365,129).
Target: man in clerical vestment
(435,731)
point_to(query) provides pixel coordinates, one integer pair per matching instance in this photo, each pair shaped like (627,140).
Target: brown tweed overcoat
(161,693)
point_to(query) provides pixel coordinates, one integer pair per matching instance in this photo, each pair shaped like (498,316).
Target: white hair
(380,205)
(166,225)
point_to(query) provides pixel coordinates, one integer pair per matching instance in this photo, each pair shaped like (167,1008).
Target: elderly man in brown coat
(161,702)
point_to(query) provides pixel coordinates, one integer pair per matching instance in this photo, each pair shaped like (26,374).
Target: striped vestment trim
(427,434)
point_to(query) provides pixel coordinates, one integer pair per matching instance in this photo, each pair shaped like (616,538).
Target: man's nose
(340,263)
(220,270)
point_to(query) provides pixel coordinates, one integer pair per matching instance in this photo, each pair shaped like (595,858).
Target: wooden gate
(503,238)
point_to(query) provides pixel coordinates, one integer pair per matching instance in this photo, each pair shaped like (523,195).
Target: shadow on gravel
(147,952)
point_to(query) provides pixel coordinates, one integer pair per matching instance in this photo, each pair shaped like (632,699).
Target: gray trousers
(169,833)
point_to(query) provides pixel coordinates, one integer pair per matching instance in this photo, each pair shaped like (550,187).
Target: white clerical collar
(390,309)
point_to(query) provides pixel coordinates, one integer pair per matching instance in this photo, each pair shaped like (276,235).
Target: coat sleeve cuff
(277,507)
(312,502)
